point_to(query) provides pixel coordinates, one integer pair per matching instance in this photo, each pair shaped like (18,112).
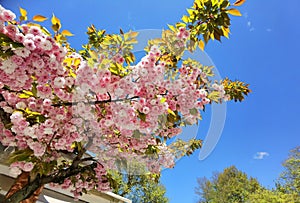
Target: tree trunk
(20,182)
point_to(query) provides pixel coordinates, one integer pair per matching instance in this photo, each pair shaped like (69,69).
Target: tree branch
(5,117)
(30,188)
(92,102)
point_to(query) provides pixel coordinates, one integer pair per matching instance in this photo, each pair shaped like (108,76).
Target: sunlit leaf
(201,45)
(171,112)
(239,2)
(234,12)
(172,28)
(23,12)
(185,19)
(39,18)
(190,11)
(67,33)
(56,25)
(226,32)
(163,100)
(131,41)
(24,96)
(133,34)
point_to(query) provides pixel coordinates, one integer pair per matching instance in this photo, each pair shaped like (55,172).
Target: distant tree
(272,196)
(230,186)
(233,186)
(137,184)
(289,180)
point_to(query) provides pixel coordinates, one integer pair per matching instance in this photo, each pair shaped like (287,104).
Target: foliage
(233,185)
(230,186)
(289,181)
(136,184)
(272,196)
(236,89)
(74,117)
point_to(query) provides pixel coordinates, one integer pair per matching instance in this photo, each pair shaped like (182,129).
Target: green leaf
(194,112)
(214,96)
(20,155)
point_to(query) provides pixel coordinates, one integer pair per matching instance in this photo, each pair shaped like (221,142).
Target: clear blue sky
(263,50)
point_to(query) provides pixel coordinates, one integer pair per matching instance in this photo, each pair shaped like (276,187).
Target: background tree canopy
(234,186)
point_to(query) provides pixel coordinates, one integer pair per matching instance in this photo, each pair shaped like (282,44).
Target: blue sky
(263,50)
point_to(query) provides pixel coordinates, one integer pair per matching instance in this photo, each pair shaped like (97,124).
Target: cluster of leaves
(171,52)
(6,46)
(102,48)
(60,37)
(185,148)
(134,183)
(208,19)
(236,89)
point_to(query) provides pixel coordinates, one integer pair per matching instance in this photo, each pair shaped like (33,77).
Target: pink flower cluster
(17,167)
(40,58)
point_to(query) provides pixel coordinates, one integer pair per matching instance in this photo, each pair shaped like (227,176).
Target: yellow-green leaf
(190,11)
(39,18)
(171,112)
(172,28)
(163,100)
(23,12)
(55,20)
(131,41)
(226,31)
(93,54)
(201,45)
(133,34)
(77,62)
(234,12)
(214,2)
(24,96)
(239,2)
(66,33)
(185,19)
(56,25)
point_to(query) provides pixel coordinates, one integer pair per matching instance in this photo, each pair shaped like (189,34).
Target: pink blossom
(18,60)
(23,52)
(28,166)
(29,44)
(34,30)
(7,15)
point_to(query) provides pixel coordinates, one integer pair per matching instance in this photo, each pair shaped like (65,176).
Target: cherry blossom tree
(71,117)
